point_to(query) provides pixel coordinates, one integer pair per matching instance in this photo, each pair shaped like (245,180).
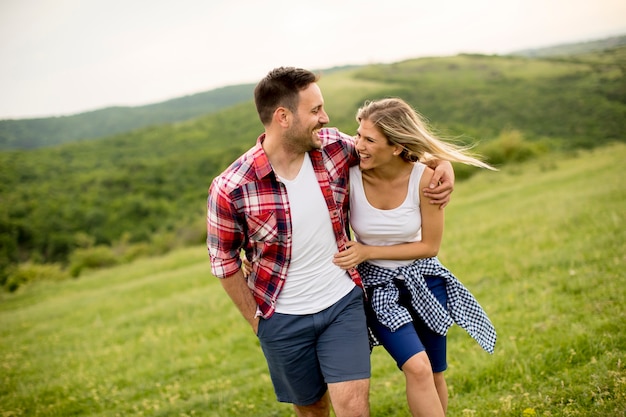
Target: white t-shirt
(313,281)
(378,227)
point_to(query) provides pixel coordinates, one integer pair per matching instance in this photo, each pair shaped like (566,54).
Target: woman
(412,298)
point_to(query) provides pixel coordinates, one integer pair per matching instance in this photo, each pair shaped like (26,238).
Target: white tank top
(378,227)
(313,281)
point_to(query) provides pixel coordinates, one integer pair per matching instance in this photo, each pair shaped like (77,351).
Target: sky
(61,57)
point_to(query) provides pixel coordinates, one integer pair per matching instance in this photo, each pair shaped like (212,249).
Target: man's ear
(282,116)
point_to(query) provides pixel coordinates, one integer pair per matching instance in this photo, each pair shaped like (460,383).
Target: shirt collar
(262,165)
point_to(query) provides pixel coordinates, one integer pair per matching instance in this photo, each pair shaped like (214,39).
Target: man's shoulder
(336,145)
(332,134)
(240,171)
(334,142)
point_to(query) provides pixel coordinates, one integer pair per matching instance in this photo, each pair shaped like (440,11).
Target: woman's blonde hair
(403,126)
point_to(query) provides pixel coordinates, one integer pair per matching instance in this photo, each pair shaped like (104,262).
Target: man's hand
(441,184)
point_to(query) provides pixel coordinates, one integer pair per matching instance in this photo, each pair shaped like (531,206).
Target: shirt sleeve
(224,233)
(349,144)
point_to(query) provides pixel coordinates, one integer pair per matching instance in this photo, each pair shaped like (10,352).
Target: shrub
(26,273)
(510,146)
(95,257)
(463,172)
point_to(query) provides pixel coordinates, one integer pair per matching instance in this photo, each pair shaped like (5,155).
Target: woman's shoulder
(419,168)
(355,174)
(423,173)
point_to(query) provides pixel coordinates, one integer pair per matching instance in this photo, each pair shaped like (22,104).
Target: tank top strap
(414,183)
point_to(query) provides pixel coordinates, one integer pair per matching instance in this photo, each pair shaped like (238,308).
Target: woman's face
(373,147)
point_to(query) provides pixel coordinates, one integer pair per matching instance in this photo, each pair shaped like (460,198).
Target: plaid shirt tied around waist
(462,309)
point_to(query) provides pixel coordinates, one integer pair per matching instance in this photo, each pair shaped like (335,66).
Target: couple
(285,203)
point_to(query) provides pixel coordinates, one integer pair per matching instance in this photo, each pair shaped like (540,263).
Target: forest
(142,191)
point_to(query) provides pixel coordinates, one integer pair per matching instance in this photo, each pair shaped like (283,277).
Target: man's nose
(324,119)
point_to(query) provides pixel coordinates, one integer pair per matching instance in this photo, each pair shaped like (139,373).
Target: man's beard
(302,140)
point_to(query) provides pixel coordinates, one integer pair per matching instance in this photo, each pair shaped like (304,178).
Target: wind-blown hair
(405,127)
(280,88)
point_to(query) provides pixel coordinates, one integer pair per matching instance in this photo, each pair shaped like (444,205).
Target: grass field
(541,245)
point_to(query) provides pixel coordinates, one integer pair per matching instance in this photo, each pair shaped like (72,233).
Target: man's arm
(224,240)
(237,289)
(441,183)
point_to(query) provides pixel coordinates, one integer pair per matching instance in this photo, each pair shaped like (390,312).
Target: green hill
(575,48)
(43,132)
(540,244)
(148,187)
(50,131)
(577,102)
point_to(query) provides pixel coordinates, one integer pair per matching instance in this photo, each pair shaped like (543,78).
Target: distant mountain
(44,132)
(577,48)
(50,131)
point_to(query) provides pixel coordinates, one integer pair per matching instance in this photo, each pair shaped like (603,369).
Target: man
(285,203)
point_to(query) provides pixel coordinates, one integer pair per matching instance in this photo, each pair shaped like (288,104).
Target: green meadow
(541,244)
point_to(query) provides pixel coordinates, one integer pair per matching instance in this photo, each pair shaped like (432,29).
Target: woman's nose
(358,143)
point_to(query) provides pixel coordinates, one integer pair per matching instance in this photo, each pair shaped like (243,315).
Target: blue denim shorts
(306,352)
(414,337)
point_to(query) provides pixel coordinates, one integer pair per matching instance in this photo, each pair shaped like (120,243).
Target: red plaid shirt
(248,209)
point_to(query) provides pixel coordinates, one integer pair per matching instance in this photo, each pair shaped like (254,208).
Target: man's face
(308,120)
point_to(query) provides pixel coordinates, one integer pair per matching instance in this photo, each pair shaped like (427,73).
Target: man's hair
(281,87)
